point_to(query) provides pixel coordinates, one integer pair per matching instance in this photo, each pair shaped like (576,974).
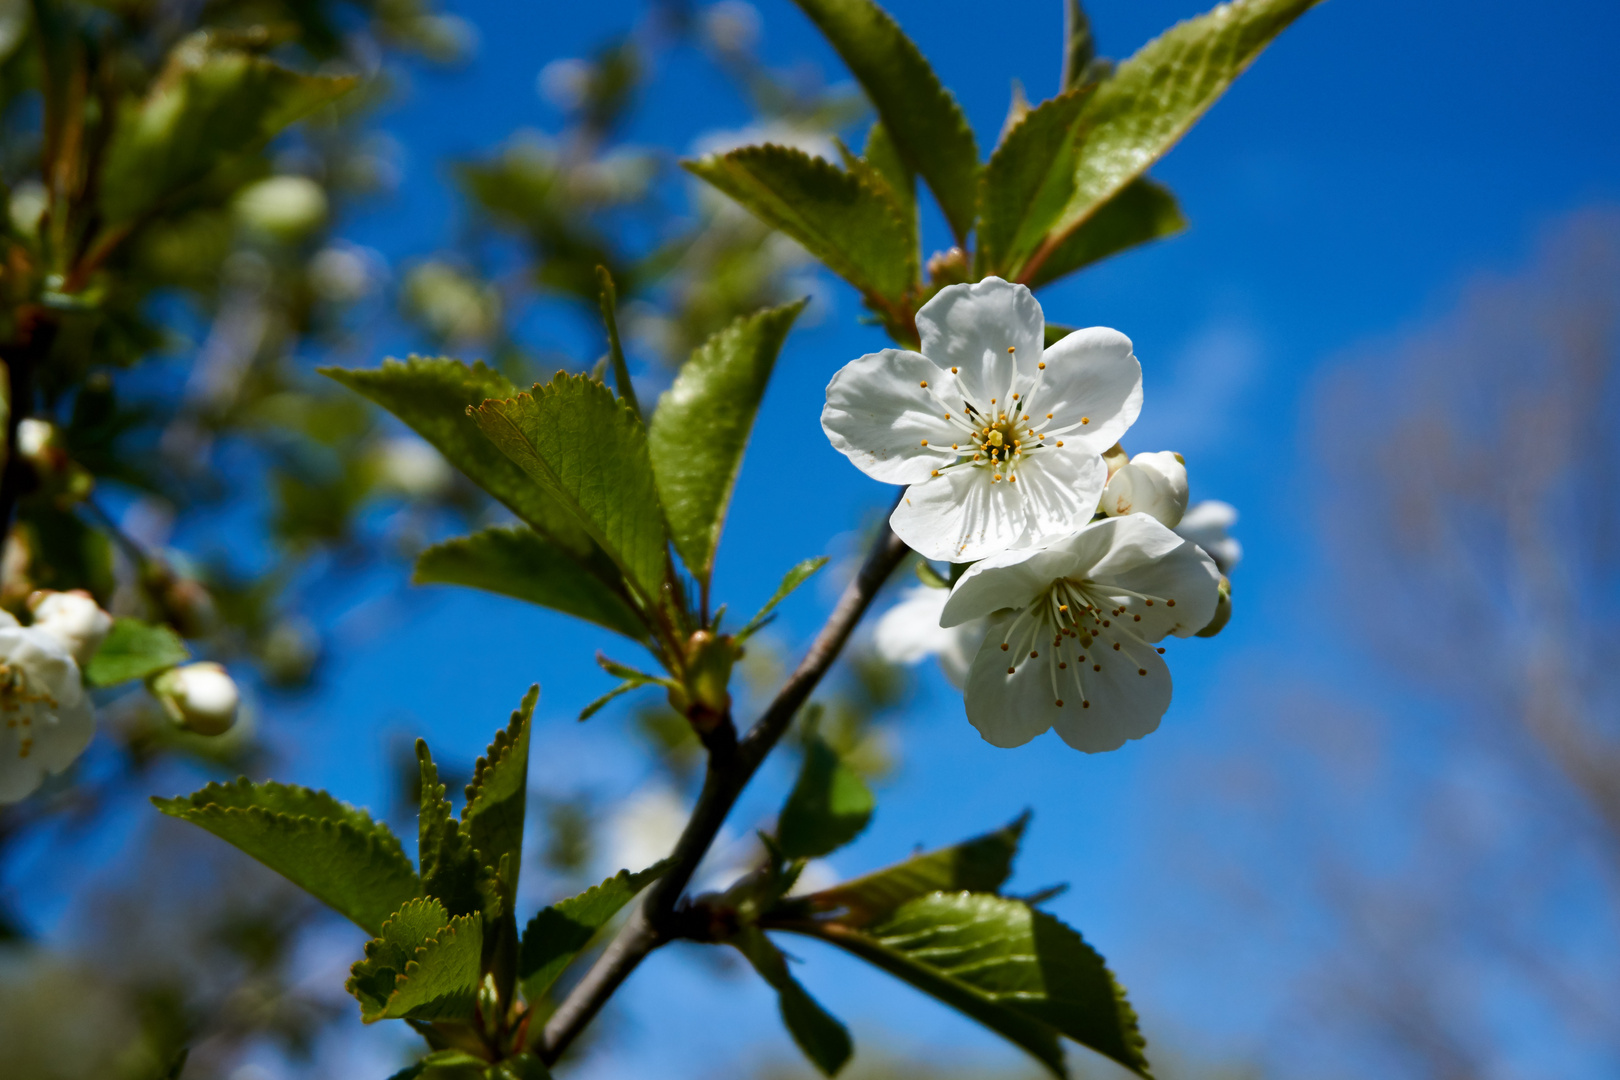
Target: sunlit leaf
(1028,182)
(799,574)
(132,650)
(1142,211)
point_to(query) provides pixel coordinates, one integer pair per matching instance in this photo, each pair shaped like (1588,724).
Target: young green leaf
(796,576)
(432,397)
(335,852)
(860,231)
(497,796)
(589,451)
(610,319)
(518,562)
(1028,182)
(523,1066)
(1142,211)
(883,157)
(1079,47)
(557,934)
(920,115)
(208,105)
(818,1033)
(978,865)
(132,650)
(1156,95)
(701,427)
(440,980)
(829,806)
(451,869)
(372,979)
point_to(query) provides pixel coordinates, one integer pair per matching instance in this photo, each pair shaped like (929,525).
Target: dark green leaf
(497,796)
(332,850)
(978,865)
(1141,212)
(450,867)
(557,934)
(798,575)
(518,562)
(432,396)
(589,451)
(133,650)
(208,105)
(439,980)
(1079,47)
(858,230)
(701,427)
(178,1065)
(1028,183)
(519,1067)
(818,1033)
(920,115)
(1156,95)
(829,806)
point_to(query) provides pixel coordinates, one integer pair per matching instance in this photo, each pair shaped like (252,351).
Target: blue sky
(1374,160)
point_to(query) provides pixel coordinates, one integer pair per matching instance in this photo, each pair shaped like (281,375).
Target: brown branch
(652,923)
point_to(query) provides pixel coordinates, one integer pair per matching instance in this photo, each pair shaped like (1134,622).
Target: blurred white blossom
(73,618)
(909,633)
(46,718)
(1207,525)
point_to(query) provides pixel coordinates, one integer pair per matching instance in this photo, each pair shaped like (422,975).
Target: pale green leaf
(817,1032)
(335,852)
(702,424)
(518,562)
(432,396)
(498,794)
(208,105)
(923,119)
(1156,95)
(557,934)
(799,574)
(1028,182)
(861,233)
(829,806)
(589,451)
(132,650)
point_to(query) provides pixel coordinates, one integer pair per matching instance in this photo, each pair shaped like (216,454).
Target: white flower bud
(1153,484)
(73,618)
(286,207)
(199,697)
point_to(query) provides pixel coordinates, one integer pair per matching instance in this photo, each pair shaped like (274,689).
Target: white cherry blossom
(46,718)
(1072,627)
(1153,484)
(1206,525)
(999,438)
(74,618)
(909,633)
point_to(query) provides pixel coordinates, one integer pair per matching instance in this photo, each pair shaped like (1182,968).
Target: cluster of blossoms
(1010,453)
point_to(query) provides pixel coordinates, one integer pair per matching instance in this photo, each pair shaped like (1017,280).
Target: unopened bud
(707,697)
(73,618)
(948,267)
(200,697)
(1115,458)
(1153,484)
(1223,610)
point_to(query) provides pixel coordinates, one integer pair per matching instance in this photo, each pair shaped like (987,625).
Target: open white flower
(1206,525)
(999,438)
(909,633)
(1072,627)
(1153,484)
(46,719)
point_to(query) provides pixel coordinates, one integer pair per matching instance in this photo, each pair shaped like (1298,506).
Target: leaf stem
(653,922)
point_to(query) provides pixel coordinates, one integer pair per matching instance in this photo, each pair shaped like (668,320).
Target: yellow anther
(1041,365)
(1085,419)
(925,442)
(923,384)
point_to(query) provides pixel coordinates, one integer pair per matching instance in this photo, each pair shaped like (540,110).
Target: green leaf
(589,451)
(132,650)
(1000,961)
(497,796)
(450,867)
(518,562)
(1143,211)
(523,1066)
(978,865)
(861,233)
(829,806)
(610,319)
(1079,47)
(334,851)
(798,575)
(372,979)
(818,1033)
(1156,95)
(557,934)
(701,427)
(884,158)
(1028,182)
(923,119)
(432,397)
(439,980)
(207,106)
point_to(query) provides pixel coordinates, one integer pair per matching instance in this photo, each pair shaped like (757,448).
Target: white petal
(879,415)
(910,631)
(1010,579)
(1205,524)
(1009,710)
(971,327)
(1145,557)
(1123,703)
(959,516)
(1092,386)
(957,660)
(1060,488)
(1154,484)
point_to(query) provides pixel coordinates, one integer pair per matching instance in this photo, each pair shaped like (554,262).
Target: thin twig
(649,925)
